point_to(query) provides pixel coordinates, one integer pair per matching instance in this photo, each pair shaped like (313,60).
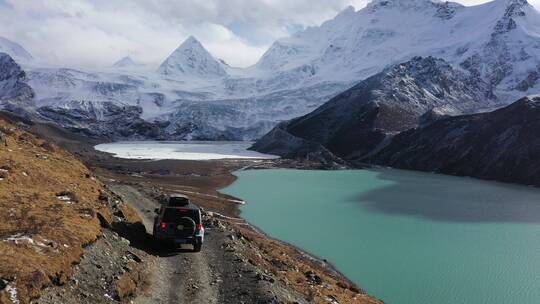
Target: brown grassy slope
(48,212)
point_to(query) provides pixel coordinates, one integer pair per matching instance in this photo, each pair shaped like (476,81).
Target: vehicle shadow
(139,238)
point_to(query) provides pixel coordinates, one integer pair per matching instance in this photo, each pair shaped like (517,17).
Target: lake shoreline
(202,179)
(206,176)
(391,211)
(206,194)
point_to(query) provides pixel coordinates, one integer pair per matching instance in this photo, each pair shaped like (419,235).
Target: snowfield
(193,150)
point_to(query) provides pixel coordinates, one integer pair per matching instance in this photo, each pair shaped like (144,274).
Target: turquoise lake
(406,237)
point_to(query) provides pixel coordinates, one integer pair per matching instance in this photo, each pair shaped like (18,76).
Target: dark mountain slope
(502,145)
(356,122)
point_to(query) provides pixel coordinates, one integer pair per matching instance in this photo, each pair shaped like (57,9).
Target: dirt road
(238,264)
(215,275)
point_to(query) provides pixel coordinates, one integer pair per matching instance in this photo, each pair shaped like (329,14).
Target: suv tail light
(163,226)
(199,227)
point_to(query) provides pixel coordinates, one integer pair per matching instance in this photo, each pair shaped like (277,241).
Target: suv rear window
(178,201)
(171,215)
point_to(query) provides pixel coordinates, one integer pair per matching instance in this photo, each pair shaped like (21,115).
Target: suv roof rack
(177,200)
(175,195)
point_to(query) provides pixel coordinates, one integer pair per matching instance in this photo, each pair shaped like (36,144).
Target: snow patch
(66,199)
(20,238)
(13,295)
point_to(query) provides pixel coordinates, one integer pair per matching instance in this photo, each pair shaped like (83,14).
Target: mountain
(498,41)
(13,86)
(196,96)
(358,121)
(16,51)
(502,145)
(192,59)
(125,62)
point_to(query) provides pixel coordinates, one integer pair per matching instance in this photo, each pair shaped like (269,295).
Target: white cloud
(98,32)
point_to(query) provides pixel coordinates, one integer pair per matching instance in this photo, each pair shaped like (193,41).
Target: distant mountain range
(194,95)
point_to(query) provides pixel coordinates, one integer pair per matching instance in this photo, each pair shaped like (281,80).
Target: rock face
(502,145)
(106,121)
(13,86)
(356,122)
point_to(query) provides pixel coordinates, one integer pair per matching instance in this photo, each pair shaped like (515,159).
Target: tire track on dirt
(180,276)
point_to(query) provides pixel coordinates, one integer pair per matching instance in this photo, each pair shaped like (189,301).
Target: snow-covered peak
(402,4)
(498,40)
(349,10)
(192,59)
(125,62)
(15,50)
(192,42)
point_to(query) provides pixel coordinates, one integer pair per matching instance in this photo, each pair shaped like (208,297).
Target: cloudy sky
(99,32)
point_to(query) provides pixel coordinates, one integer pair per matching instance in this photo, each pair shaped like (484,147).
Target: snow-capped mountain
(192,59)
(16,51)
(125,62)
(361,119)
(194,95)
(498,40)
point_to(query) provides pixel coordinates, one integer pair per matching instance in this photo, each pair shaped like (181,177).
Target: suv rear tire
(197,247)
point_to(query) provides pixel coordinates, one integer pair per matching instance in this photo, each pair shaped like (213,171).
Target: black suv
(178,221)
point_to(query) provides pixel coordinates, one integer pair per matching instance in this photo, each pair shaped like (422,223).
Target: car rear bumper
(177,240)
(198,238)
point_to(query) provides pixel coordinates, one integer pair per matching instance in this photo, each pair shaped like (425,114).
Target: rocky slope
(501,145)
(358,121)
(200,97)
(52,207)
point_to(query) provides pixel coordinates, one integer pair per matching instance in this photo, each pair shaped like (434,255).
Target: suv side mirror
(156,211)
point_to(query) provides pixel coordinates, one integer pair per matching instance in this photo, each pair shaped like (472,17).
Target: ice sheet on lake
(184,150)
